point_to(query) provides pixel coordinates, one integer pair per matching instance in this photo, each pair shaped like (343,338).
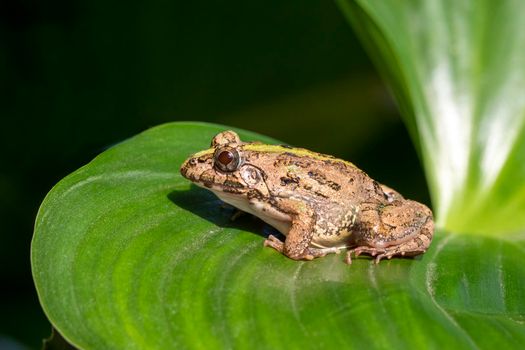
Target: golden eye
(227,159)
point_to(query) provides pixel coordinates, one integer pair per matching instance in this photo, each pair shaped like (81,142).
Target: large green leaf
(128,254)
(457,68)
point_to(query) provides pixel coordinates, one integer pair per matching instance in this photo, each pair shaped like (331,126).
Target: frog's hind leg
(414,246)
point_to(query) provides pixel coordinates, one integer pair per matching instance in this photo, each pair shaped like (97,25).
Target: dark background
(79,76)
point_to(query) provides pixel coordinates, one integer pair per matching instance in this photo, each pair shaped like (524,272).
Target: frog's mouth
(209,182)
(221,190)
(191,175)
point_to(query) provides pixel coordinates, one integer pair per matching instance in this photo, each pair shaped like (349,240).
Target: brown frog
(320,203)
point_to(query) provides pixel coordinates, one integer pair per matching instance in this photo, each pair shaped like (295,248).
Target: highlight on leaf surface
(457,69)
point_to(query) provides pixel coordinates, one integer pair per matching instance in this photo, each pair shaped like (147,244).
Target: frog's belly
(338,240)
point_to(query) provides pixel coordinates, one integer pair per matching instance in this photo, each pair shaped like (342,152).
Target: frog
(319,203)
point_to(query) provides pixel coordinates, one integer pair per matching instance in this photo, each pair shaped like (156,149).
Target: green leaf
(457,69)
(127,254)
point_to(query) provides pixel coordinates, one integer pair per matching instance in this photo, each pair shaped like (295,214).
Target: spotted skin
(320,203)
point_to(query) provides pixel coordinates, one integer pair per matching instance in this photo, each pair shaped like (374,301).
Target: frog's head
(224,168)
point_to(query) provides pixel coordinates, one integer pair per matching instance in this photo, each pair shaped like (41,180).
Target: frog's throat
(277,219)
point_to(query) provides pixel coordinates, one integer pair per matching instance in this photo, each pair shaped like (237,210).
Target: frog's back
(312,175)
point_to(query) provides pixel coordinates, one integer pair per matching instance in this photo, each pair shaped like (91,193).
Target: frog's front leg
(298,240)
(275,243)
(293,248)
(278,245)
(299,236)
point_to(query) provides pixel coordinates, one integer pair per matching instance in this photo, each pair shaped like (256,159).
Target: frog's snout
(185,168)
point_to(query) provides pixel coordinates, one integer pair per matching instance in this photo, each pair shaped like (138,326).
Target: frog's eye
(227,159)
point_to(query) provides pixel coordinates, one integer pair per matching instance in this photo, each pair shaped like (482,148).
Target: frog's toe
(374,252)
(348,259)
(367,250)
(382,256)
(274,243)
(274,239)
(308,257)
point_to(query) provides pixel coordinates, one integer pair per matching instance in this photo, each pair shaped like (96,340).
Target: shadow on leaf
(206,205)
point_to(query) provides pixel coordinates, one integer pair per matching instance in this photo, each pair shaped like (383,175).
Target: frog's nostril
(184,169)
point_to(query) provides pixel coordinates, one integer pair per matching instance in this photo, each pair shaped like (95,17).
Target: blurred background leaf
(129,254)
(457,69)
